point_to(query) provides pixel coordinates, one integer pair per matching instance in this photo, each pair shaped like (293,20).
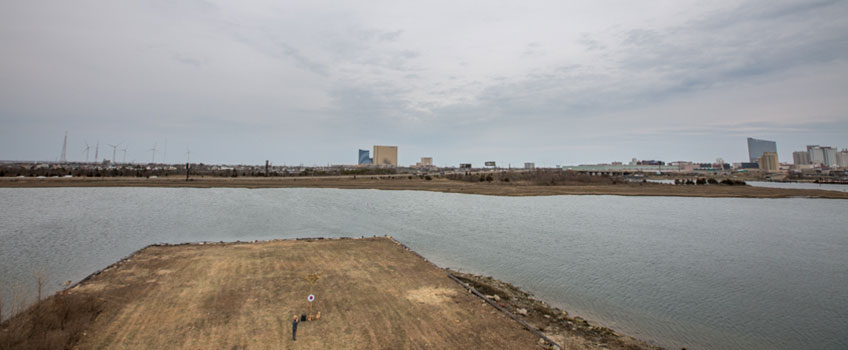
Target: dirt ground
(436,185)
(372,294)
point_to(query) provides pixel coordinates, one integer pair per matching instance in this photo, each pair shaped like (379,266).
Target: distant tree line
(539,177)
(709,181)
(179,170)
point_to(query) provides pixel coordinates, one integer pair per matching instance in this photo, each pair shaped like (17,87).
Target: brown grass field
(372,294)
(435,185)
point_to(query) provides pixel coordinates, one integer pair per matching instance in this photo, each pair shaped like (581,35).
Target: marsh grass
(56,322)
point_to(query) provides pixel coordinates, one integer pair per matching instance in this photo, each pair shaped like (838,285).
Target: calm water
(703,273)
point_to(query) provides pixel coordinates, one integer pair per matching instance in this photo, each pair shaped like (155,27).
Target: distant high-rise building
(822,155)
(364,157)
(800,158)
(756,148)
(531,166)
(842,158)
(768,162)
(815,154)
(829,156)
(426,161)
(386,155)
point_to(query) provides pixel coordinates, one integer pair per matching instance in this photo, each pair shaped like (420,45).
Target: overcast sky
(551,82)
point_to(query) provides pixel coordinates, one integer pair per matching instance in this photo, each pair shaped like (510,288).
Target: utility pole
(187,171)
(266,167)
(153,156)
(87,149)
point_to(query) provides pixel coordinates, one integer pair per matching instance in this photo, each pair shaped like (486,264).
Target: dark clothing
(294,329)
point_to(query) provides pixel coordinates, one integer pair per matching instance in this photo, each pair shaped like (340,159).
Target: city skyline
(177,157)
(542,82)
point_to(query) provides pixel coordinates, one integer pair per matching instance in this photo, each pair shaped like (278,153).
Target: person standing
(295,321)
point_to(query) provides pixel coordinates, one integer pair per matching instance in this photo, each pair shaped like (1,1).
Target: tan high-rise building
(768,162)
(385,156)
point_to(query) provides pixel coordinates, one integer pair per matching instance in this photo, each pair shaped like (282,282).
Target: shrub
(54,323)
(428,177)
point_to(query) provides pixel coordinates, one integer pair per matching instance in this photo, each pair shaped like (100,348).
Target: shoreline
(554,328)
(404,183)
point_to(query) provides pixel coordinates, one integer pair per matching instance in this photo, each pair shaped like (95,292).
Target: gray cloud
(585,83)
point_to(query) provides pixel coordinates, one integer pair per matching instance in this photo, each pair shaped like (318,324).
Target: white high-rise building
(842,158)
(815,154)
(829,156)
(822,155)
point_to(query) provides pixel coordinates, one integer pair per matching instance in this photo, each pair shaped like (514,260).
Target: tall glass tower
(756,148)
(364,157)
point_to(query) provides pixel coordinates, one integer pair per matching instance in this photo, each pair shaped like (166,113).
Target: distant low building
(684,167)
(619,167)
(425,162)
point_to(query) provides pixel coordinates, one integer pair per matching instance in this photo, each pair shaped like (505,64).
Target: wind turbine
(114,150)
(125,154)
(97,151)
(153,150)
(188,155)
(87,148)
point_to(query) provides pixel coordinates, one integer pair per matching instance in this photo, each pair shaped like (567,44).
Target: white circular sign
(310,298)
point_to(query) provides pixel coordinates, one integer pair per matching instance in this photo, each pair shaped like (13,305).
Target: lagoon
(701,273)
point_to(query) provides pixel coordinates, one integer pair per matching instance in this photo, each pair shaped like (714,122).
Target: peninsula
(372,293)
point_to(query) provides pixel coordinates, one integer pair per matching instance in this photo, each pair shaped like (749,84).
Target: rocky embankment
(571,332)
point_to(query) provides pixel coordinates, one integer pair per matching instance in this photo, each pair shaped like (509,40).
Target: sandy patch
(430,296)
